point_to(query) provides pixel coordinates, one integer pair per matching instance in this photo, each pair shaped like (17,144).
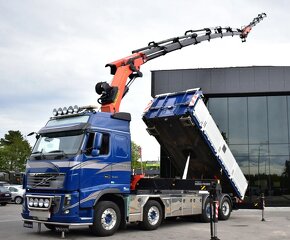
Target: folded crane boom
(129,67)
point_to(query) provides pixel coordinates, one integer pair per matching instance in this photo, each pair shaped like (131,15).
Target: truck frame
(79,172)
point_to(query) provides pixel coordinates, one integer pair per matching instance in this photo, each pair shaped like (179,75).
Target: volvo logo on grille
(44,181)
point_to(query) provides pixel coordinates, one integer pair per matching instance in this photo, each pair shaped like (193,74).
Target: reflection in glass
(277,115)
(259,150)
(278,149)
(218,108)
(239,150)
(257,130)
(258,122)
(238,121)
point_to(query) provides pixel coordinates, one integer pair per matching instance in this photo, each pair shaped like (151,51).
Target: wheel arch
(158,199)
(113,195)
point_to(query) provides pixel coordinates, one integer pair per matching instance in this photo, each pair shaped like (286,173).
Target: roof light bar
(72,110)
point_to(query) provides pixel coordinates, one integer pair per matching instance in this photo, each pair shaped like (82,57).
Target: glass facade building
(251,106)
(257,130)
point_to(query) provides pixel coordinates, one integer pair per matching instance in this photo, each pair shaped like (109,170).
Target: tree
(14,150)
(136,154)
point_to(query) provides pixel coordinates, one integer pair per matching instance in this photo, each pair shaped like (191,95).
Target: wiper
(39,155)
(61,152)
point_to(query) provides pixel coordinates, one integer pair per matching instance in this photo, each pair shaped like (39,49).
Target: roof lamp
(54,112)
(64,110)
(59,111)
(70,109)
(76,109)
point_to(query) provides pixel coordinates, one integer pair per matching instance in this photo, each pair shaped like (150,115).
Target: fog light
(35,202)
(30,203)
(40,202)
(46,203)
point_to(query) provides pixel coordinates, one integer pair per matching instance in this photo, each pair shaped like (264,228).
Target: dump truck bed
(183,126)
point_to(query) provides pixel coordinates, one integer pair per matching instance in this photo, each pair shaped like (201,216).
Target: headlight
(35,202)
(46,203)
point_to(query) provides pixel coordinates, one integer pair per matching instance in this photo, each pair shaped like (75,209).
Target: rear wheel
(152,215)
(107,218)
(225,209)
(205,215)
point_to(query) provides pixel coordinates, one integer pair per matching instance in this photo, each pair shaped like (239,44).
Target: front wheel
(107,218)
(225,209)
(18,200)
(152,215)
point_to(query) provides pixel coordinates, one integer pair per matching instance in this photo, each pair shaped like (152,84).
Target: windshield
(58,143)
(69,120)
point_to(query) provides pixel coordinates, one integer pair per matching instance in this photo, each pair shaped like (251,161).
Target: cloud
(52,53)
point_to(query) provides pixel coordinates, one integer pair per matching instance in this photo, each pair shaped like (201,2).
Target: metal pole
(210,215)
(263,207)
(214,210)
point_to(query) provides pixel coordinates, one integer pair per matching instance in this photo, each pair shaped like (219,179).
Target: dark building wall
(253,80)
(251,106)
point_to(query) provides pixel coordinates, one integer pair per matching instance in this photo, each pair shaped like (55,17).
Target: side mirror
(97,144)
(32,133)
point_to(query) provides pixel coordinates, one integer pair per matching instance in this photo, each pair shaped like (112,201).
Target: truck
(79,172)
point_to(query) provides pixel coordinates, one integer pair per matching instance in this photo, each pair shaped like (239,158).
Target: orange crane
(129,67)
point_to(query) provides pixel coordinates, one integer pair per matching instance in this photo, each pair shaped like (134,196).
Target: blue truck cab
(80,157)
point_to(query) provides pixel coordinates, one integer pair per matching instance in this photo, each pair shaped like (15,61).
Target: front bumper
(59,211)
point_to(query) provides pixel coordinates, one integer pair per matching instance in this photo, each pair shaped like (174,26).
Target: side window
(90,142)
(12,189)
(105,146)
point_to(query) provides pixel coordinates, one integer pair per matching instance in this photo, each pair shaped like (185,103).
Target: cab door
(96,166)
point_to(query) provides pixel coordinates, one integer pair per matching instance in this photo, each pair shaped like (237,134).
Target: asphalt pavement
(243,224)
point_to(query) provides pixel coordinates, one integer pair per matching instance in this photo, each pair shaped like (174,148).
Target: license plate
(28,224)
(41,215)
(7,195)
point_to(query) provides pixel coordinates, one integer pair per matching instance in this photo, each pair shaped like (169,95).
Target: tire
(205,215)
(107,218)
(4,204)
(18,200)
(225,209)
(152,215)
(50,226)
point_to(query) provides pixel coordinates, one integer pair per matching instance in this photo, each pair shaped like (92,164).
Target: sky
(52,52)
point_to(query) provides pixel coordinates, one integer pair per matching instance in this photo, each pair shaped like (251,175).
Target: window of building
(258,133)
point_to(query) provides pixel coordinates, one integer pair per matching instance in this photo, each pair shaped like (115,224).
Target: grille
(45,180)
